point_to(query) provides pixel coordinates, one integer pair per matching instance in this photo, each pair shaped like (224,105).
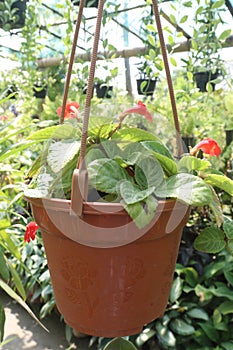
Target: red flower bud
(71,110)
(30,233)
(208,146)
(139,109)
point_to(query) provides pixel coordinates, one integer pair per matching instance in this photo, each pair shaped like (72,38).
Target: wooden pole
(125,53)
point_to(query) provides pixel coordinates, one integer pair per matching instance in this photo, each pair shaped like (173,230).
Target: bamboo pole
(125,53)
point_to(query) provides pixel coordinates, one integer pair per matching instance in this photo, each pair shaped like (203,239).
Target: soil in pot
(146,86)
(202,78)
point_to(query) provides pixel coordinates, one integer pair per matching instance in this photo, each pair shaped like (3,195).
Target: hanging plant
(12,14)
(89,3)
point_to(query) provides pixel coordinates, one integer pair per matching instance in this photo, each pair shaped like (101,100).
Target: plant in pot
(124,224)
(151,64)
(89,3)
(12,14)
(147,80)
(205,61)
(103,85)
(111,201)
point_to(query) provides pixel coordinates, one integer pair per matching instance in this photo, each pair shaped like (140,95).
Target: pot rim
(64,205)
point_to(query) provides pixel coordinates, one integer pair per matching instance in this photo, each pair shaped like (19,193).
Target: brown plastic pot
(109,277)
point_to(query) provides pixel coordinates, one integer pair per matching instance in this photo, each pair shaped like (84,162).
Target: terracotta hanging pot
(109,277)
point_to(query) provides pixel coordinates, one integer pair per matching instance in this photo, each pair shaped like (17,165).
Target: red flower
(71,110)
(30,233)
(209,146)
(3,117)
(139,109)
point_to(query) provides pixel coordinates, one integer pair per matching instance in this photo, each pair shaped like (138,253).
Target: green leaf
(198,313)
(223,291)
(16,148)
(229,276)
(228,345)
(149,173)
(163,155)
(131,193)
(205,294)
(220,181)
(210,331)
(105,174)
(144,336)
(184,19)
(62,152)
(120,344)
(217,4)
(173,61)
(228,227)
(17,281)
(37,165)
(3,267)
(165,336)
(187,188)
(216,208)
(2,322)
(210,240)
(191,276)
(190,163)
(142,212)
(226,307)
(19,300)
(151,40)
(176,289)
(93,154)
(181,327)
(134,135)
(9,244)
(224,35)
(111,148)
(63,131)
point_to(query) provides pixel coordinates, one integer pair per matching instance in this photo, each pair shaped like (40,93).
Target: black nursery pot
(39,91)
(11,92)
(147,89)
(189,141)
(20,7)
(103,91)
(229,136)
(202,78)
(89,3)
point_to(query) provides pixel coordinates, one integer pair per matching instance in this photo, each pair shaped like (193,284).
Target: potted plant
(205,61)
(127,233)
(103,89)
(146,82)
(89,3)
(12,14)
(151,64)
